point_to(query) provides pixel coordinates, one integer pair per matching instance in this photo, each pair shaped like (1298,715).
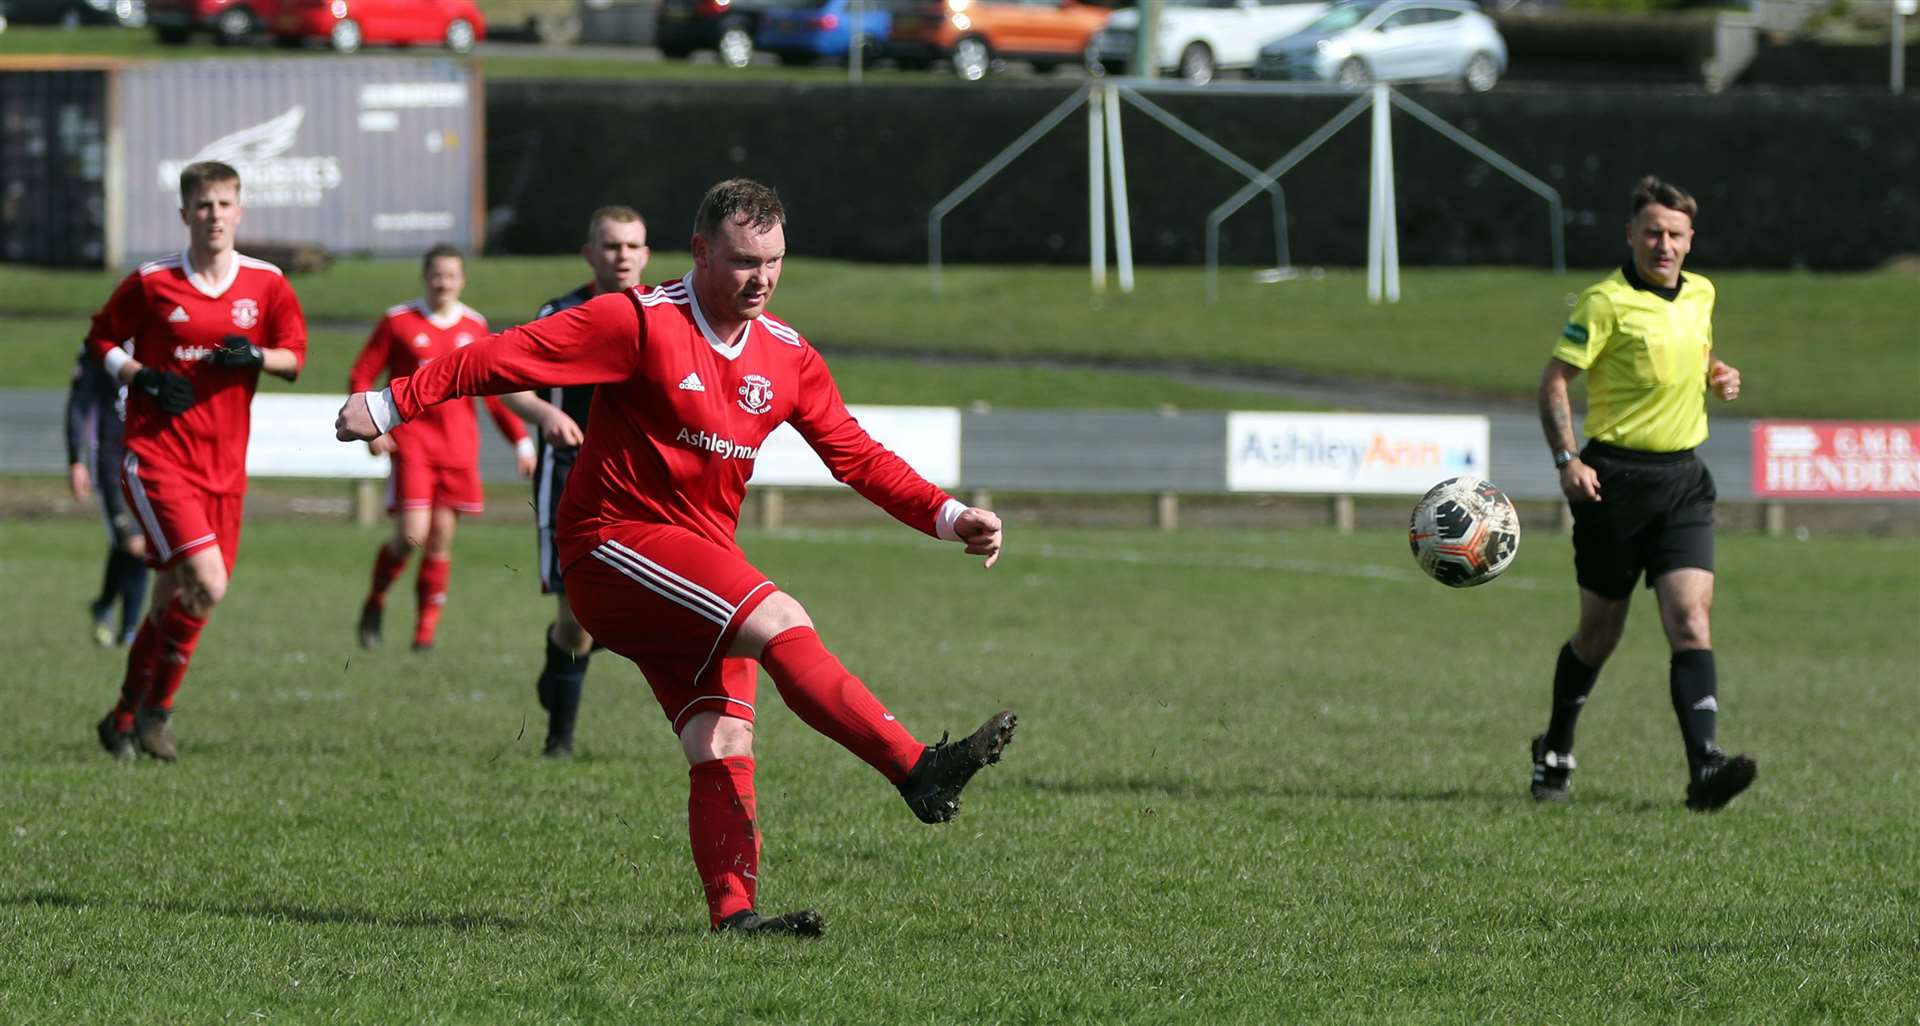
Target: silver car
(1365,41)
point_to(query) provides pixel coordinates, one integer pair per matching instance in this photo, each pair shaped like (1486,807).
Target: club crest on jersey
(246,313)
(421,341)
(756,394)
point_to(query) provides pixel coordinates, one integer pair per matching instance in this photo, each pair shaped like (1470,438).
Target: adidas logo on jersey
(691,383)
(178,316)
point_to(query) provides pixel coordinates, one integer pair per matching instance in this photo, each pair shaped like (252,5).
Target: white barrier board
(293,437)
(927,437)
(1352,454)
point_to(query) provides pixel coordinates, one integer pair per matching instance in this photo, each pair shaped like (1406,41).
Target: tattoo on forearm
(1556,419)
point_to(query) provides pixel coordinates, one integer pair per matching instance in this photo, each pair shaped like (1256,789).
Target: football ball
(1465,532)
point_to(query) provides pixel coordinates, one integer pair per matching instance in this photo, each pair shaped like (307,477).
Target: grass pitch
(1832,345)
(1261,777)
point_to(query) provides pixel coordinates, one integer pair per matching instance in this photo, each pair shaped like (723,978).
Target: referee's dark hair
(1652,190)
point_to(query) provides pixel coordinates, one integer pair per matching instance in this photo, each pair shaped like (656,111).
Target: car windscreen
(1341,18)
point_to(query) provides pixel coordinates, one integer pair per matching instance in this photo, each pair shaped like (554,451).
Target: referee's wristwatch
(1564,457)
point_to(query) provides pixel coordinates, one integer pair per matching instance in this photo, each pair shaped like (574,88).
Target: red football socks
(139,679)
(832,701)
(726,841)
(387,566)
(178,634)
(431,587)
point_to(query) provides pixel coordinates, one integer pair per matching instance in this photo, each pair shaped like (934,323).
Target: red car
(347,25)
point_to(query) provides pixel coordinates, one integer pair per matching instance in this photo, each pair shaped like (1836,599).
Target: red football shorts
(672,602)
(418,484)
(178,517)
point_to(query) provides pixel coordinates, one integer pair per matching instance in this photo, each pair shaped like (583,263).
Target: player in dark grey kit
(96,427)
(616,250)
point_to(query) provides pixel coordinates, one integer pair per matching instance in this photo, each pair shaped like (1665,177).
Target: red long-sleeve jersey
(176,323)
(408,338)
(679,414)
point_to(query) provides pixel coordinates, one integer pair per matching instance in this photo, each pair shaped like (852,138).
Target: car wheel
(972,58)
(234,25)
(1353,74)
(1482,72)
(170,35)
(345,37)
(459,36)
(1196,64)
(736,46)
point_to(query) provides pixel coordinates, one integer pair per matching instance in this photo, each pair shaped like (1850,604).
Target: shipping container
(375,155)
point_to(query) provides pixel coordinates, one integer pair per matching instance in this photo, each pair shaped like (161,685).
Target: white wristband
(115,359)
(523,448)
(380,405)
(943,521)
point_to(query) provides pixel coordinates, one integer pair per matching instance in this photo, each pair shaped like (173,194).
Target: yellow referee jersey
(1646,360)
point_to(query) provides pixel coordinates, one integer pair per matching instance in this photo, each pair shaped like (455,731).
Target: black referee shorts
(1655,514)
(549,482)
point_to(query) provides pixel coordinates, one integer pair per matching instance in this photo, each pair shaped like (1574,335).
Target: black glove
(235,351)
(172,391)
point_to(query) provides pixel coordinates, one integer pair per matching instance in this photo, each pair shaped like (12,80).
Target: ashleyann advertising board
(1352,454)
(927,437)
(1836,459)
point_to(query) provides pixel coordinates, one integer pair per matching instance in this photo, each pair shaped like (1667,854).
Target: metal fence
(1054,451)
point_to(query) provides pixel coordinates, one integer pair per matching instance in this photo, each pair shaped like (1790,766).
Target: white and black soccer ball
(1465,532)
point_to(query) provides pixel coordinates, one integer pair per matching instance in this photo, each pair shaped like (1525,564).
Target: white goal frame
(1106,166)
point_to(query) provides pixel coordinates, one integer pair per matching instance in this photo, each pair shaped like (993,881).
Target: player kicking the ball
(204,325)
(436,457)
(693,376)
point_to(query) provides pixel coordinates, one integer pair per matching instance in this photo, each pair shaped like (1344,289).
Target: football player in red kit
(692,376)
(204,325)
(436,456)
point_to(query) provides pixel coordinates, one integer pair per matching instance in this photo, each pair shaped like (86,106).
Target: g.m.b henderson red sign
(1836,459)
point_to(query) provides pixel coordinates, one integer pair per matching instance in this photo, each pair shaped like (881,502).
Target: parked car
(347,25)
(724,26)
(975,35)
(74,13)
(822,28)
(1364,41)
(229,21)
(1199,38)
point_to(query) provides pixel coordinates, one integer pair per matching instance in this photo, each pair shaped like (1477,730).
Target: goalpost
(1106,167)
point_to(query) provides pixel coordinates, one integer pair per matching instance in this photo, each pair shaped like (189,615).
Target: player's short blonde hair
(738,201)
(617,213)
(1652,189)
(200,174)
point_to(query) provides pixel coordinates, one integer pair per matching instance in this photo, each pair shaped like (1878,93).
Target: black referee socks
(1695,685)
(1572,683)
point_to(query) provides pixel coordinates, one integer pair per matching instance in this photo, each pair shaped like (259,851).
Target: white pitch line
(1310,567)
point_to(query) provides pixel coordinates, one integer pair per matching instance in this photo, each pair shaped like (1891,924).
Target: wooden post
(365,502)
(1166,511)
(1341,511)
(1773,518)
(980,499)
(773,508)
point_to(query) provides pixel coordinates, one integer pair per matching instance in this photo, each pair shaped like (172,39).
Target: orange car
(976,34)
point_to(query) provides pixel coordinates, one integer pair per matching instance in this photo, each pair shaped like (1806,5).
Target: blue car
(811,29)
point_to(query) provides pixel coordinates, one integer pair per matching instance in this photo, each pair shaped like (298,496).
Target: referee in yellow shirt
(1642,502)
